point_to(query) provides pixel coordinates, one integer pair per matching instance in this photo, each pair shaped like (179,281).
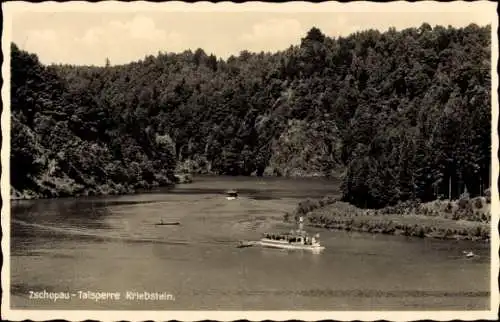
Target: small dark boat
(244,243)
(168,223)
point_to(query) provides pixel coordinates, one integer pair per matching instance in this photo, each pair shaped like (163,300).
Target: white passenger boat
(294,240)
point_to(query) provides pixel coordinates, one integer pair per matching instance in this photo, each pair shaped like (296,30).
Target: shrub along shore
(461,219)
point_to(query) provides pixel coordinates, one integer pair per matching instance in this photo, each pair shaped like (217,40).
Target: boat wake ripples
(107,236)
(94,236)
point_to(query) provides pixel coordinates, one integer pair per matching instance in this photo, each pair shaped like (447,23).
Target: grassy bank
(462,219)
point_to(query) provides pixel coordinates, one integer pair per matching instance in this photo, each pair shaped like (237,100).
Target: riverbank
(455,220)
(65,187)
(52,192)
(54,187)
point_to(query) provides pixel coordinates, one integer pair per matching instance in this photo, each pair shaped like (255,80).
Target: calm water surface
(112,245)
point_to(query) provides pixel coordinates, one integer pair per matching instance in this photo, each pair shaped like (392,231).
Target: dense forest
(398,115)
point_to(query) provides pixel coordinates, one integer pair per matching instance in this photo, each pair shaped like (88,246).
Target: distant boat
(231,194)
(469,254)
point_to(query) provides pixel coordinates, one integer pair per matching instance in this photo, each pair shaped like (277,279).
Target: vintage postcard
(259,161)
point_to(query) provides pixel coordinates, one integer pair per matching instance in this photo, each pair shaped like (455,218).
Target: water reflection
(72,212)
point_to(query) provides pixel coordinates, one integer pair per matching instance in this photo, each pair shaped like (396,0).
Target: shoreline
(345,217)
(180,178)
(439,236)
(98,191)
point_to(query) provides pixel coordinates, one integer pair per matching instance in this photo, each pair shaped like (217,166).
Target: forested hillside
(62,145)
(400,114)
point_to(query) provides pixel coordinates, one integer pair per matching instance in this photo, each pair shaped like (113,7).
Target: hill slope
(401,112)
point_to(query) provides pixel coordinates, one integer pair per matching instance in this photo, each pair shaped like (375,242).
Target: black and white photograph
(259,161)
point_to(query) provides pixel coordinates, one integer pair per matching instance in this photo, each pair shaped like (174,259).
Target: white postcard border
(104,315)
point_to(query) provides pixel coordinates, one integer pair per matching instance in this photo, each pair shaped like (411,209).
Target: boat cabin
(291,238)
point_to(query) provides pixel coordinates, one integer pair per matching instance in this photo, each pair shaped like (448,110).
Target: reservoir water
(111,244)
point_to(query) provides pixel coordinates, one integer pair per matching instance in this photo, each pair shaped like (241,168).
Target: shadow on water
(54,213)
(20,206)
(260,197)
(256,194)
